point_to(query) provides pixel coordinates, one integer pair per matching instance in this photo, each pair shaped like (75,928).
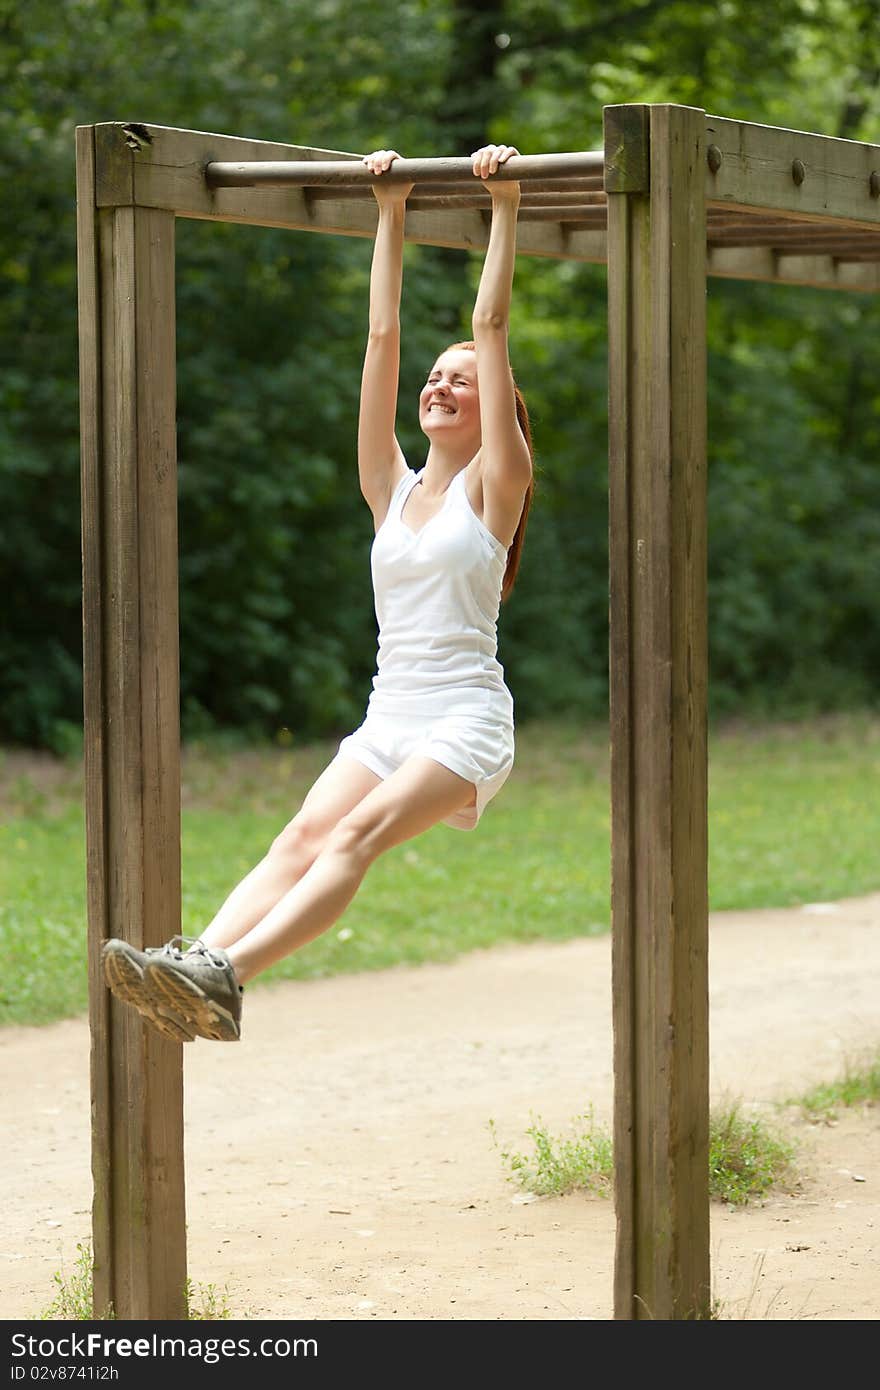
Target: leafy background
(277,626)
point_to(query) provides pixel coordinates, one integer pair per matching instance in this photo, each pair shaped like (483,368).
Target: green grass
(747,1157)
(584,1161)
(859,1084)
(73,1301)
(793,817)
(73,1297)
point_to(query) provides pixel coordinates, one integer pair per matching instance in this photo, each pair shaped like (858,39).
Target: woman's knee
(356,835)
(301,841)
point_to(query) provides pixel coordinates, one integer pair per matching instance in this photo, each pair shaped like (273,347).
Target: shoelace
(197,947)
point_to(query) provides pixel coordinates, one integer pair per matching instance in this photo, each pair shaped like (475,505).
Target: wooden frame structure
(674,196)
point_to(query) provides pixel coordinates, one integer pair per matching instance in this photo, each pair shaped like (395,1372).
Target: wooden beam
(131,725)
(790,171)
(865,242)
(132,180)
(565,212)
(782,268)
(584,189)
(658,677)
(479,198)
(159,166)
(166,170)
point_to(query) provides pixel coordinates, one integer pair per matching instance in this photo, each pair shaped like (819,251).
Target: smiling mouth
(444,409)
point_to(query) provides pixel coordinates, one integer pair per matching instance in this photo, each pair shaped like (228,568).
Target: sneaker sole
(205,1015)
(127,982)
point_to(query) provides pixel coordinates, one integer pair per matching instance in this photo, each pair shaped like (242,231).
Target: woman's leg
(340,787)
(418,795)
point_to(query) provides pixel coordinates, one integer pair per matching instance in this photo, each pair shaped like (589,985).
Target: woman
(437,741)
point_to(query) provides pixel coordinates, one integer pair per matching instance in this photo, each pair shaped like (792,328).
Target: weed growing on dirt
(205,1304)
(74,1300)
(746,1158)
(859,1085)
(561,1165)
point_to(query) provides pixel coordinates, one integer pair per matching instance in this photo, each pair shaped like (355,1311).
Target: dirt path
(340,1162)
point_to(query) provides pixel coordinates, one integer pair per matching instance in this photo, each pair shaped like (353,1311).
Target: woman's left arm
(506,464)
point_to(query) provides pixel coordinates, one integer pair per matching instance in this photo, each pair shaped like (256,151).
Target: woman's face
(450,399)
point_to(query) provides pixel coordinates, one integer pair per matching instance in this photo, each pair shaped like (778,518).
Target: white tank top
(437,595)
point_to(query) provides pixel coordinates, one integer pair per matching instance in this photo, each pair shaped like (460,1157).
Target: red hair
(514,550)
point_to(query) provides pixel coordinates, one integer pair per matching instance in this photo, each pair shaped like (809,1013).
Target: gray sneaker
(199,986)
(124,971)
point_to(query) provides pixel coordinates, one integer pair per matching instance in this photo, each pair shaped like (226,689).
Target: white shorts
(476,746)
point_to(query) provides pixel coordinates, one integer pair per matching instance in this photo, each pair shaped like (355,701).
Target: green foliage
(859,1085)
(205,1303)
(746,1156)
(794,504)
(277,625)
(585,1161)
(792,819)
(74,1301)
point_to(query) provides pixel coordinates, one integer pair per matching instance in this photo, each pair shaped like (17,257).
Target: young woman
(437,742)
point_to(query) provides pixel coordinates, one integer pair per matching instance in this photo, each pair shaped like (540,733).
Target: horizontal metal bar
(306,173)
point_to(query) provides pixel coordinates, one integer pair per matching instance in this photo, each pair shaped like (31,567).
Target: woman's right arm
(381,464)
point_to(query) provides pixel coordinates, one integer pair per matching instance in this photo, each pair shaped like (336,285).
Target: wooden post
(132,725)
(655,180)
